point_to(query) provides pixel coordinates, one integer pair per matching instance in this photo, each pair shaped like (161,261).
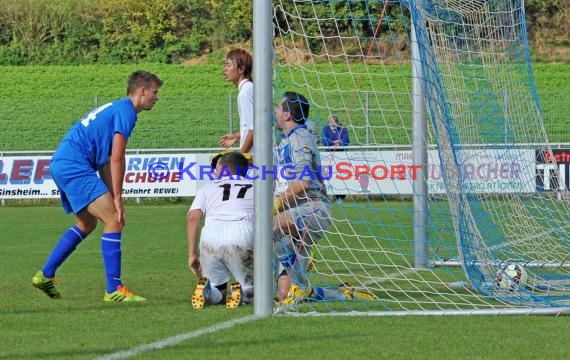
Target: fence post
(230,112)
(138,199)
(367,115)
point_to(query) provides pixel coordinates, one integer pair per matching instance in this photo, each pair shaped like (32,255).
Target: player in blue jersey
(97,144)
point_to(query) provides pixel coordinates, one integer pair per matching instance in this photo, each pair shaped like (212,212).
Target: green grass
(39,103)
(81,326)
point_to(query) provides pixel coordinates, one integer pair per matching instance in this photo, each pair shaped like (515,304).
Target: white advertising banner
(393,172)
(148,175)
(345,172)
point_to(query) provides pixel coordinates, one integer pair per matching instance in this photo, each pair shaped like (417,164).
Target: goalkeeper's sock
(111,249)
(322,294)
(65,246)
(285,253)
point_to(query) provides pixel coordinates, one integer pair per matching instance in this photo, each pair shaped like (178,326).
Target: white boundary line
(173,340)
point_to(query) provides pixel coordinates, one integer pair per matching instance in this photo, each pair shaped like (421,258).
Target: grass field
(39,103)
(81,326)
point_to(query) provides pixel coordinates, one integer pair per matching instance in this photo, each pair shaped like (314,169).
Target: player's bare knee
(87,227)
(111,221)
(86,223)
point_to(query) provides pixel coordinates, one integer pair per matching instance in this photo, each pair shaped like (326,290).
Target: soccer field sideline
(176,339)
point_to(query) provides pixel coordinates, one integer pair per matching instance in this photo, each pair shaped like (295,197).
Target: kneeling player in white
(226,240)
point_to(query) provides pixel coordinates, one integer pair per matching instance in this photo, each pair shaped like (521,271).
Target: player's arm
(117,170)
(245,110)
(344,140)
(296,189)
(248,142)
(192,228)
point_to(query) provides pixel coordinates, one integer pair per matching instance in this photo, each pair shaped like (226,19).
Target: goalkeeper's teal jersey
(298,158)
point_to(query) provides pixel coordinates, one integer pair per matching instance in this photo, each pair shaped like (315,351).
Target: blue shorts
(78,184)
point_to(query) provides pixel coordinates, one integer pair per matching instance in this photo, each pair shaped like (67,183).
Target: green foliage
(238,17)
(540,15)
(537,8)
(170,31)
(327,33)
(118,31)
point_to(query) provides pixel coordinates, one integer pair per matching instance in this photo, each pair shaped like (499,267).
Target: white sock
(214,296)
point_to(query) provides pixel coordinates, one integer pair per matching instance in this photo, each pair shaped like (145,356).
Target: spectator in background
(335,136)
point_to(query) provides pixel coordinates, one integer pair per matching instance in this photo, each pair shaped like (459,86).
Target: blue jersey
(91,138)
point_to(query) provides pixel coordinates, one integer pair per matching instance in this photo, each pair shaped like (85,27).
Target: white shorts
(226,249)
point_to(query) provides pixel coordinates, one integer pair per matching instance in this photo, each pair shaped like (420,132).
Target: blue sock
(324,294)
(65,246)
(318,294)
(111,249)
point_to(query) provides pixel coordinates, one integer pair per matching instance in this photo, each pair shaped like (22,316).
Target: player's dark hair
(243,60)
(141,78)
(235,162)
(296,105)
(214,160)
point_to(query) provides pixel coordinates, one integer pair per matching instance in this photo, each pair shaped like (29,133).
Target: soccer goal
(448,198)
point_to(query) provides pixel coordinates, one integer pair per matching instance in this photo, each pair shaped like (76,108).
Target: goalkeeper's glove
(277,205)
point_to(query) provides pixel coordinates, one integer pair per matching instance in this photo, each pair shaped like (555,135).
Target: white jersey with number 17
(226,199)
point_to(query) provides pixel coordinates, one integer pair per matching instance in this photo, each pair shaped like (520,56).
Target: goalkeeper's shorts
(312,219)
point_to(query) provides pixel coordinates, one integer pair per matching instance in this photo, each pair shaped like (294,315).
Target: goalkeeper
(302,209)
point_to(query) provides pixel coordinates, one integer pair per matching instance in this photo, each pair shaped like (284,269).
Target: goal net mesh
(496,195)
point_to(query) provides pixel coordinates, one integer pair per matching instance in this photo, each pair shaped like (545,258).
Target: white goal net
(494,237)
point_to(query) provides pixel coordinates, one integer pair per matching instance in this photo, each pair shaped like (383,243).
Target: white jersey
(245,110)
(226,240)
(225,200)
